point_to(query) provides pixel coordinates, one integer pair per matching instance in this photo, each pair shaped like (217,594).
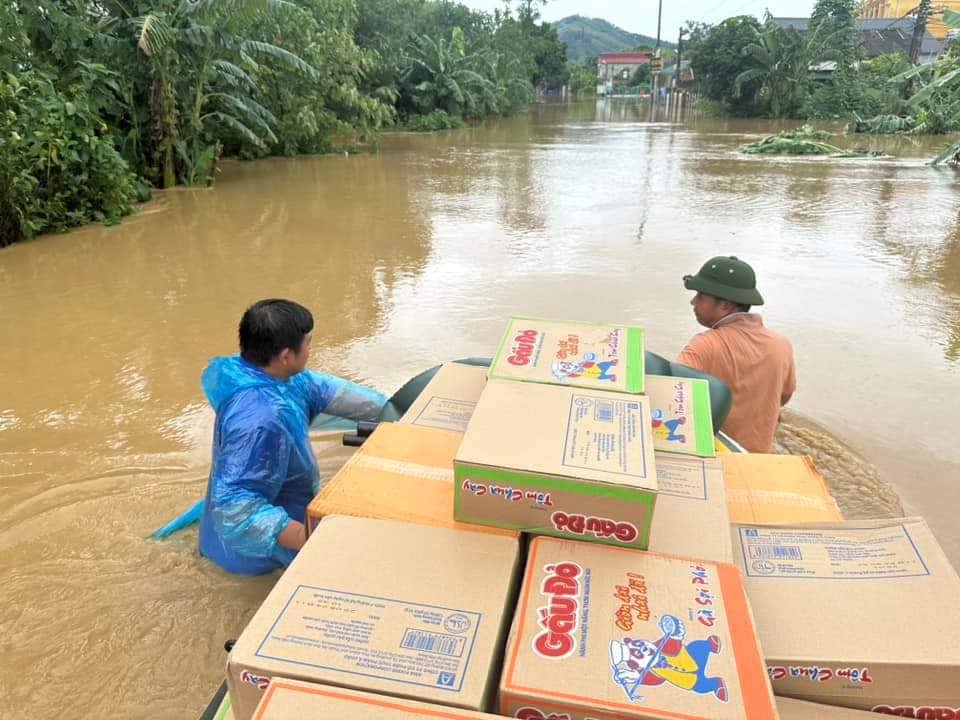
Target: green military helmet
(728,278)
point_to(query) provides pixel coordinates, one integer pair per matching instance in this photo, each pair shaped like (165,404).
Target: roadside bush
(58,165)
(435,120)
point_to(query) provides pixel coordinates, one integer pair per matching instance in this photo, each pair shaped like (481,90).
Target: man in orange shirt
(754,361)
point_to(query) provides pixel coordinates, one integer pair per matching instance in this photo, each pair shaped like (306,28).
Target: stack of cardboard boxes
(408,599)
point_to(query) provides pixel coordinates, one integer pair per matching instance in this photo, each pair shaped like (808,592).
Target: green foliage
(949,156)
(444,75)
(441,55)
(835,22)
(781,64)
(309,109)
(58,164)
(806,132)
(744,68)
(433,121)
(549,56)
(883,125)
(695,32)
(776,145)
(804,140)
(933,107)
(586,38)
(583,80)
(172,85)
(947,66)
(641,76)
(859,92)
(713,108)
(934,100)
(718,60)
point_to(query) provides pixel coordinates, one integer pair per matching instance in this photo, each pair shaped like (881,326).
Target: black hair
(743,308)
(268,327)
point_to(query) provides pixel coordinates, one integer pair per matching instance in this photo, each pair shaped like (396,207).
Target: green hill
(588,37)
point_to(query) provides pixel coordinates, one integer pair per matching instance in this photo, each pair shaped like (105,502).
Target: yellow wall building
(894,9)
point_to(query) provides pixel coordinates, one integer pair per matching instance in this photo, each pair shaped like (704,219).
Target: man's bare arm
(293,536)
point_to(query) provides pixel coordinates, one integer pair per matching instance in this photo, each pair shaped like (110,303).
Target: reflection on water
(411,256)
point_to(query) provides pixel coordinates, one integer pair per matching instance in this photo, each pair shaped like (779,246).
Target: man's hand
(293,536)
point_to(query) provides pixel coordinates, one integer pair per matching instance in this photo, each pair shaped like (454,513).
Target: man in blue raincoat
(263,472)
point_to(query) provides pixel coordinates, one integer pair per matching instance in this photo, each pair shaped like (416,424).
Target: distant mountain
(588,37)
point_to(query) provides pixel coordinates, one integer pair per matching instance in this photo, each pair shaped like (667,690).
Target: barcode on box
(604,411)
(435,643)
(775,552)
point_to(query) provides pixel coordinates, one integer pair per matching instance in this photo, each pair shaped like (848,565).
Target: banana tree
(444,74)
(783,59)
(781,67)
(201,65)
(945,84)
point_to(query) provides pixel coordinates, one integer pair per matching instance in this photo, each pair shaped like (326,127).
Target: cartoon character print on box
(637,663)
(587,368)
(667,429)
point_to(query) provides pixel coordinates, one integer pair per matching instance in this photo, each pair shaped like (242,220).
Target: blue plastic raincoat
(263,472)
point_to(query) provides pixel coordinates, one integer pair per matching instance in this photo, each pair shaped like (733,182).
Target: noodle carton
(558,461)
(680,414)
(691,517)
(384,607)
(609,633)
(800,710)
(292,700)
(447,402)
(577,354)
(402,472)
(775,489)
(861,614)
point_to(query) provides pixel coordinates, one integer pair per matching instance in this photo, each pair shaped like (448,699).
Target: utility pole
(659,16)
(676,74)
(679,55)
(655,79)
(922,13)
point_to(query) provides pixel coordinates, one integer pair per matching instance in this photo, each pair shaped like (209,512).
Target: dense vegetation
(98,98)
(748,68)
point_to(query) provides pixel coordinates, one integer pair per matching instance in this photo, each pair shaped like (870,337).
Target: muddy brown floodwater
(411,256)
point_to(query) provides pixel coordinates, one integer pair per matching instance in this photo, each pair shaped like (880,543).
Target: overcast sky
(640,16)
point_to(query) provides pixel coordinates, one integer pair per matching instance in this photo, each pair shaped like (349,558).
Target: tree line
(100,100)
(745,67)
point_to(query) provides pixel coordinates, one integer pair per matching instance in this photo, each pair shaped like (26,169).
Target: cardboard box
(386,607)
(447,402)
(605,632)
(860,614)
(558,461)
(292,700)
(401,472)
(680,412)
(691,517)
(799,710)
(577,354)
(776,489)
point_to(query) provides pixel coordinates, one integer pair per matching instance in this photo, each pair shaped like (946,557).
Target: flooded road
(408,257)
